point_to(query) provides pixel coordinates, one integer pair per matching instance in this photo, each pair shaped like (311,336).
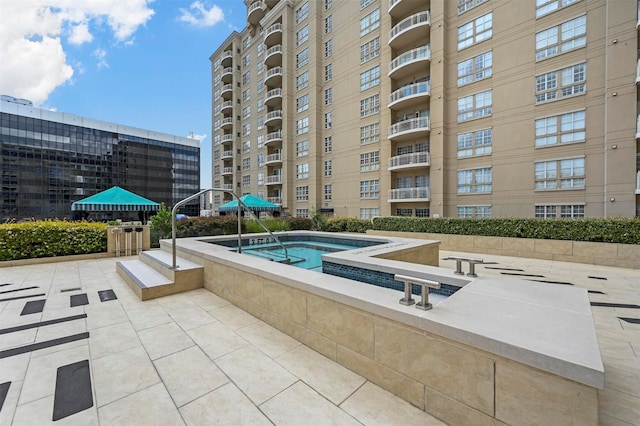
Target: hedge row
(51,238)
(622,230)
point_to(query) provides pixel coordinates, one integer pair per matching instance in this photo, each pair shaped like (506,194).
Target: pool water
(301,255)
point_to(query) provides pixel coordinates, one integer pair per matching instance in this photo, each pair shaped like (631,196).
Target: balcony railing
(228,70)
(272,158)
(274,179)
(408,160)
(227,170)
(407,194)
(418,123)
(275,93)
(274,136)
(225,105)
(227,138)
(410,90)
(226,55)
(412,21)
(393,3)
(273,115)
(256,12)
(274,71)
(228,186)
(226,121)
(417,54)
(227,154)
(227,87)
(273,33)
(277,49)
(275,200)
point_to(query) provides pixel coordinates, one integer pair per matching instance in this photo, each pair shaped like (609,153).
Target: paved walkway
(196,359)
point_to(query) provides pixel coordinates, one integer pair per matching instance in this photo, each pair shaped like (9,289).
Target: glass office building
(50,159)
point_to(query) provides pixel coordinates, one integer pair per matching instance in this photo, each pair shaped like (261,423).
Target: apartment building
(461,108)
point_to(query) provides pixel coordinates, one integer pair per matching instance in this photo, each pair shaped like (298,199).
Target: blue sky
(141,63)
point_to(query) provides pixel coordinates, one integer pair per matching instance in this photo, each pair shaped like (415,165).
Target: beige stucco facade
(423,108)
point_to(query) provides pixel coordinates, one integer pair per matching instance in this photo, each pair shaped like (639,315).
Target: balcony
(227,138)
(410,63)
(226,107)
(226,76)
(273,35)
(273,137)
(638,72)
(273,77)
(409,161)
(273,97)
(273,56)
(409,29)
(227,186)
(227,91)
(410,95)
(401,8)
(256,12)
(273,158)
(226,60)
(226,155)
(638,128)
(275,179)
(227,171)
(409,195)
(409,129)
(273,118)
(638,182)
(227,123)
(275,200)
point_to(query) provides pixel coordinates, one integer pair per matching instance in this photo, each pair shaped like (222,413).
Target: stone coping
(545,326)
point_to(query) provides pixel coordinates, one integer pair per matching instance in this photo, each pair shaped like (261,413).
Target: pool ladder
(425,284)
(472,265)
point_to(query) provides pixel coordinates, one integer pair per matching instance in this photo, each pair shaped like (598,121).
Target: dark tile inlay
(18,289)
(64,290)
(22,297)
(552,282)
(73,390)
(2,285)
(504,269)
(41,323)
(522,275)
(33,307)
(42,345)
(79,300)
(596,292)
(596,278)
(615,305)
(4,390)
(106,295)
(631,320)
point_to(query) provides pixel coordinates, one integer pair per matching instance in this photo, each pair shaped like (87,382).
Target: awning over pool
(252,202)
(115,199)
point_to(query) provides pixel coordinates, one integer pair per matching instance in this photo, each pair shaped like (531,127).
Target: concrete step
(144,280)
(162,261)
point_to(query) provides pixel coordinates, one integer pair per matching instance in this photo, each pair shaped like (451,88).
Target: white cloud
(33,32)
(197,137)
(200,16)
(101,56)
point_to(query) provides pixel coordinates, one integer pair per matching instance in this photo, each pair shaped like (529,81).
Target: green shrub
(348,224)
(51,238)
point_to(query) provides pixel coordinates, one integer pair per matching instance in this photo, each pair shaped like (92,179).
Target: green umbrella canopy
(252,202)
(115,199)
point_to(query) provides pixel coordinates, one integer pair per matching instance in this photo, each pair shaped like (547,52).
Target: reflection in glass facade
(50,159)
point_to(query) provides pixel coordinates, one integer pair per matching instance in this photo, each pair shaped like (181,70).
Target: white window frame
(562,83)
(562,174)
(370,50)
(302,58)
(475,31)
(302,12)
(544,7)
(476,143)
(302,80)
(302,148)
(370,78)
(475,181)
(302,35)
(302,126)
(370,189)
(302,171)
(369,161)
(476,68)
(464,5)
(561,38)
(370,106)
(302,193)
(370,22)
(560,129)
(302,103)
(370,133)
(475,106)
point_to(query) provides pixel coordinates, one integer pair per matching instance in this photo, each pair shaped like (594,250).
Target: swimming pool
(301,255)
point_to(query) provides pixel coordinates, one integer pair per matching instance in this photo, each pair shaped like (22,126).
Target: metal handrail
(240,205)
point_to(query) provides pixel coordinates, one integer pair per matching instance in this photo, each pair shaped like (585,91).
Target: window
(216,154)
(474,106)
(246,42)
(260,49)
(302,58)
(370,78)
(369,106)
(475,68)
(261,139)
(475,31)
(302,171)
(260,67)
(246,181)
(302,80)
(327,192)
(246,112)
(302,12)
(260,178)
(246,77)
(559,39)
(572,82)
(328,72)
(260,123)
(571,129)
(474,181)
(246,129)
(328,120)
(464,5)
(365,3)
(328,96)
(474,211)
(327,168)
(302,35)
(328,142)
(302,193)
(246,60)
(260,160)
(216,169)
(327,4)
(217,139)
(475,143)
(302,126)
(370,189)
(260,104)
(246,95)
(571,176)
(302,103)
(369,213)
(246,163)
(370,133)
(260,86)
(328,48)
(422,212)
(370,161)
(567,211)
(370,22)
(302,148)
(246,147)
(302,212)
(328,24)
(404,212)
(547,6)
(370,50)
